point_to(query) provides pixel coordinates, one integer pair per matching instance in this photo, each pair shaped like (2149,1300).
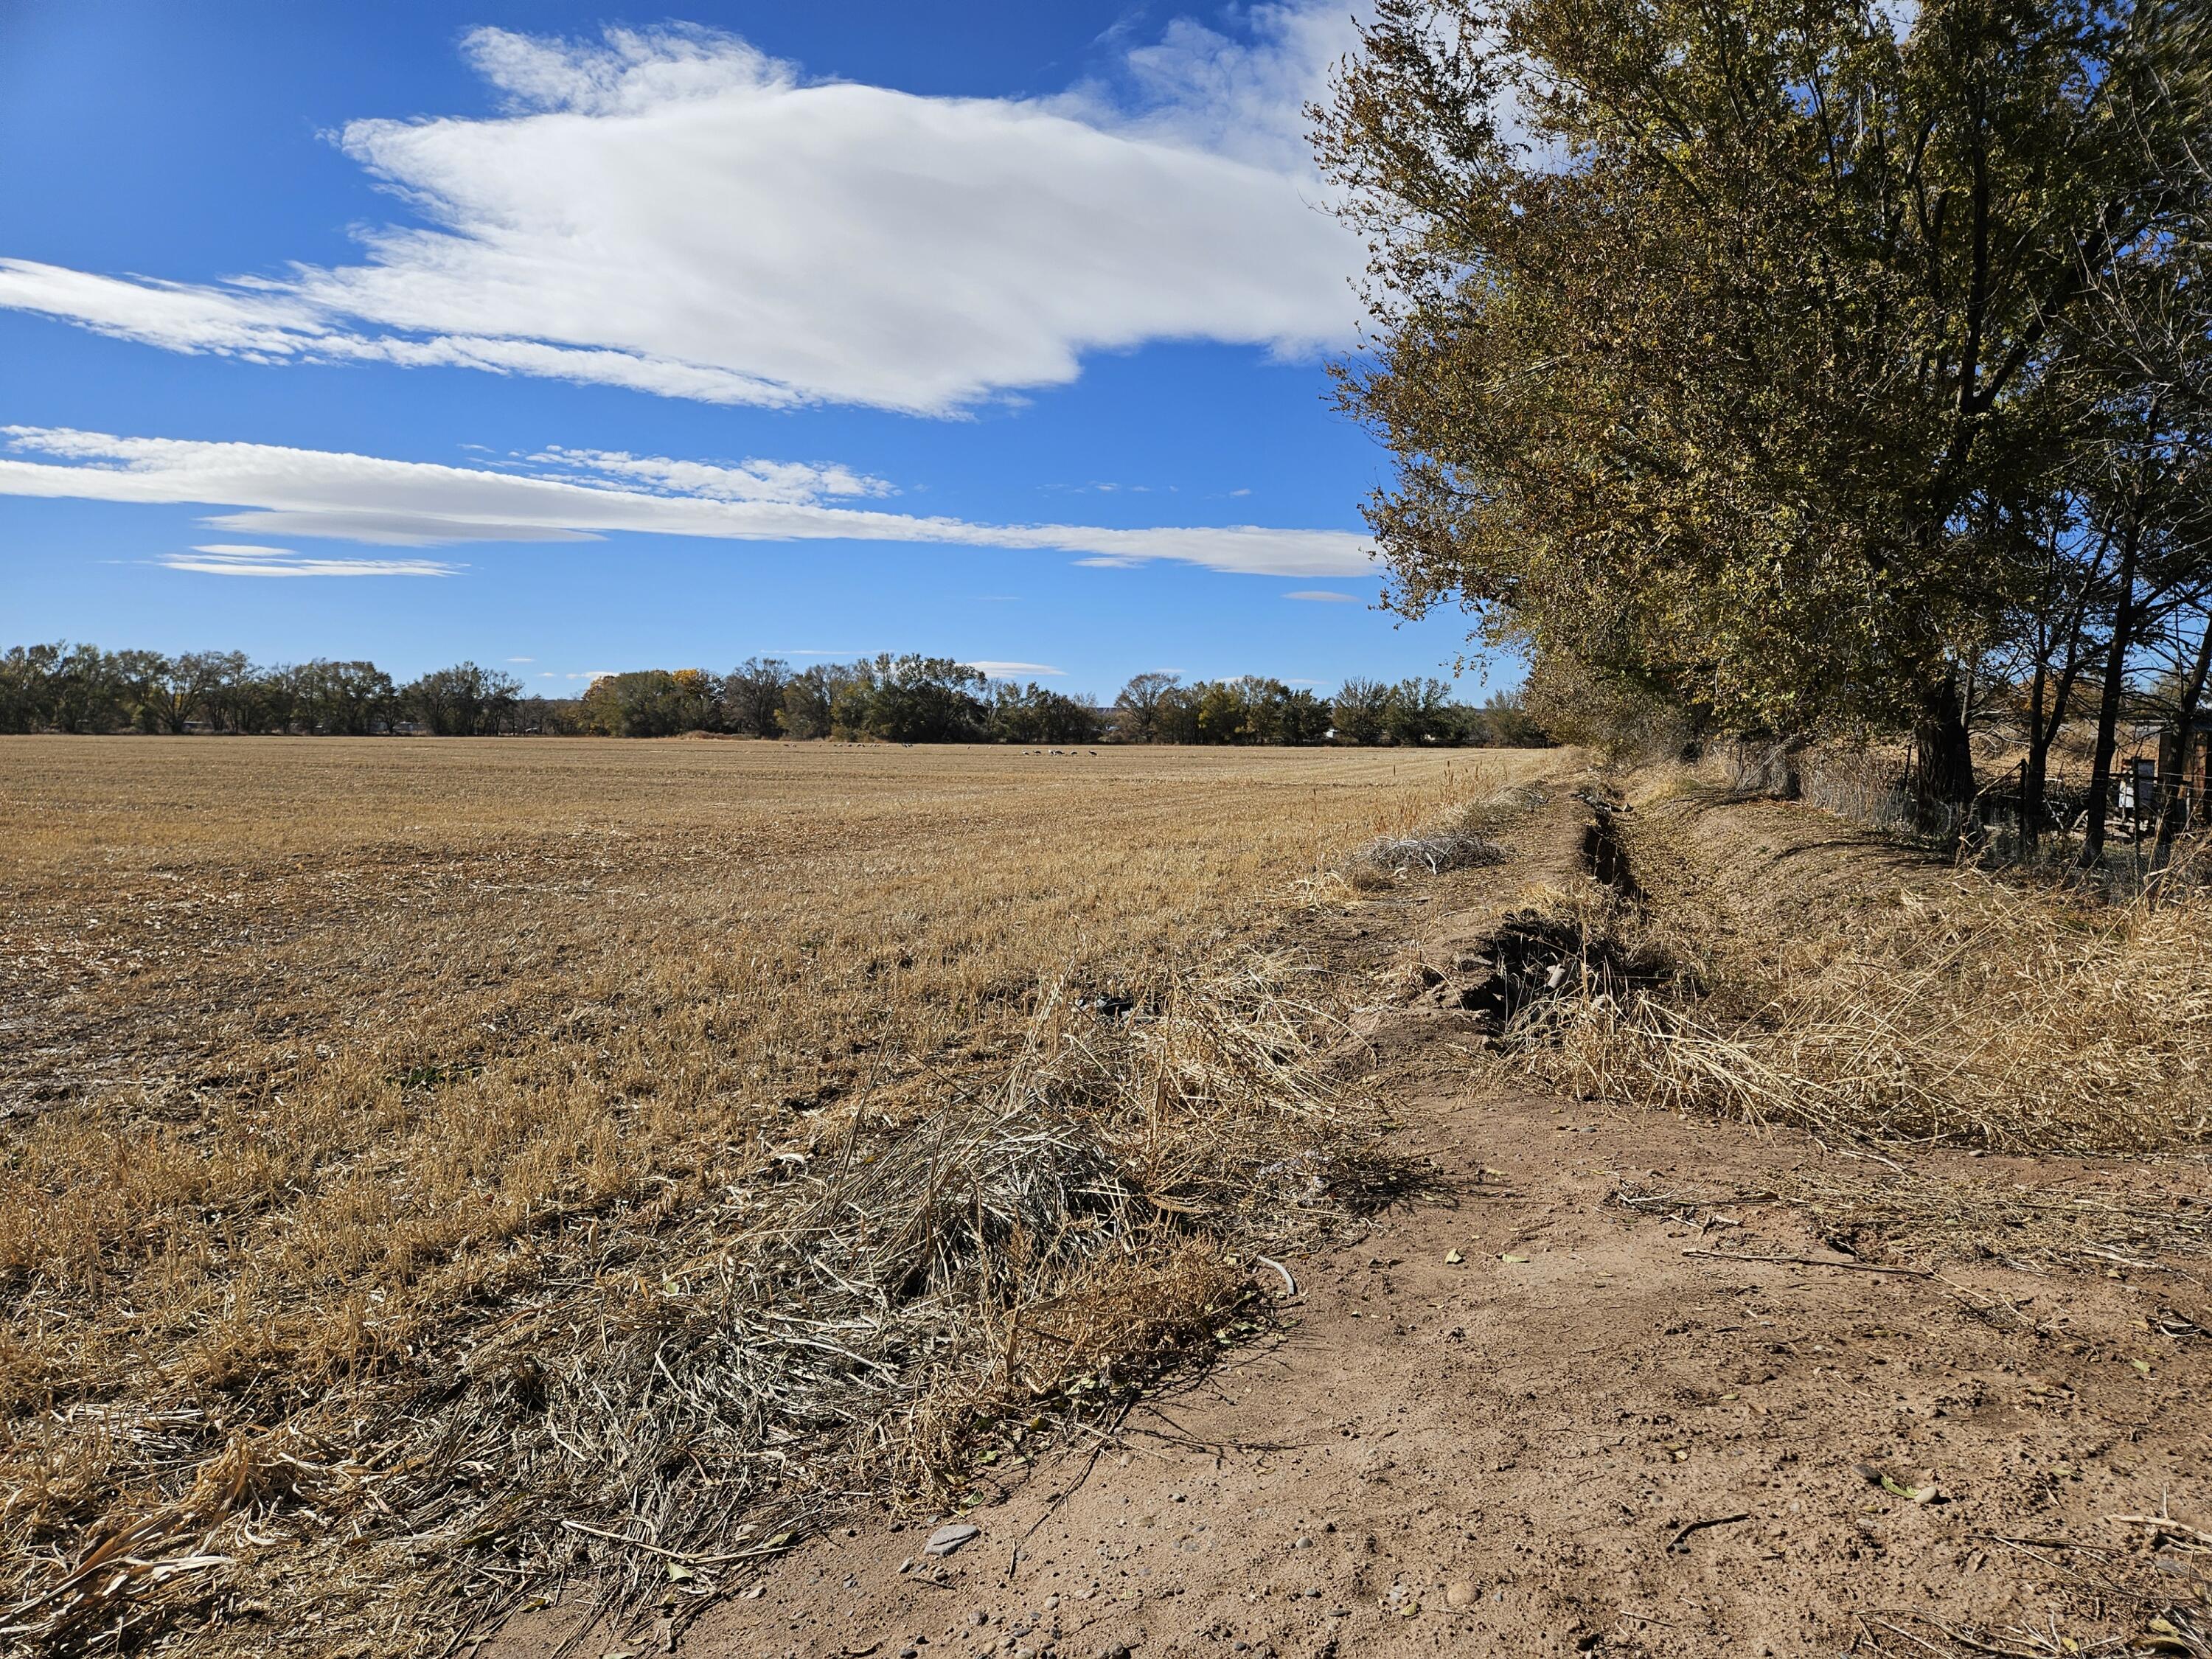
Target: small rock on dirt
(945,1540)
(1461,1594)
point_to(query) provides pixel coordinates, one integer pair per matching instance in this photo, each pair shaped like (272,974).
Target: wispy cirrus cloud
(225,559)
(745,481)
(277,491)
(1323,596)
(863,246)
(1015,671)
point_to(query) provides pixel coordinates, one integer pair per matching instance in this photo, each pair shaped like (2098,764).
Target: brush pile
(676,1389)
(1432,853)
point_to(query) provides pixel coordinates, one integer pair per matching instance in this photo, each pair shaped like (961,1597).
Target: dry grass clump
(1838,982)
(441,1167)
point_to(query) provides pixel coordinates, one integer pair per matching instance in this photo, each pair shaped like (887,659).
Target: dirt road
(1560,1405)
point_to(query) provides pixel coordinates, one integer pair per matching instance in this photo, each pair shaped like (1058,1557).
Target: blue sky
(578,340)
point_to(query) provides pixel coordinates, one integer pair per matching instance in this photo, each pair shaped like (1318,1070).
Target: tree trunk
(2170,802)
(2042,732)
(1944,760)
(2035,769)
(2124,618)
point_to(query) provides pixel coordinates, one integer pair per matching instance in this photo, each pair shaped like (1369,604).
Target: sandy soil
(1525,1415)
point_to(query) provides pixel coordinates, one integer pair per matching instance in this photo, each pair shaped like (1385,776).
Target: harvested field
(669,1180)
(435,1168)
(1654,1383)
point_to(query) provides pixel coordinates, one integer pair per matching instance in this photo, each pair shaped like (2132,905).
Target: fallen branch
(2165,1523)
(688,1560)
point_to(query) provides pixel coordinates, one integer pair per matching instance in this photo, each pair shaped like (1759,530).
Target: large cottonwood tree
(1720,347)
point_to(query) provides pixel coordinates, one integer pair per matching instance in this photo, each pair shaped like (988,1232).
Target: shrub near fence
(1866,787)
(1863,785)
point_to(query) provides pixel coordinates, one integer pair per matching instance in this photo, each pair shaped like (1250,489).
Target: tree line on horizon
(1798,372)
(904,699)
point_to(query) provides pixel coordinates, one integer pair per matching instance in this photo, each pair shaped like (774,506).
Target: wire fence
(2007,821)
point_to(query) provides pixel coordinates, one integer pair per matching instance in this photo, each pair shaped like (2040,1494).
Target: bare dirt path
(1543,1411)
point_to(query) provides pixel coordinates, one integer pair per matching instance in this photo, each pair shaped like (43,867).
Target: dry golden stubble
(386,1095)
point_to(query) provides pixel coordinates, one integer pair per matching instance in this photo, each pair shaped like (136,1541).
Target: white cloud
(363,498)
(229,561)
(1243,98)
(1013,671)
(522,659)
(1323,596)
(673,211)
(748,481)
(264,323)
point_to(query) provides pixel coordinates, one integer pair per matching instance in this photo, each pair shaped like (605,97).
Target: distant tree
(461,701)
(1034,714)
(751,696)
(1141,701)
(897,699)
(1224,713)
(86,691)
(346,699)
(27,693)
(916,699)
(1175,717)
(1272,712)
(654,702)
(178,694)
(137,677)
(261,700)
(550,717)
(1361,713)
(1508,724)
(1303,718)
(1419,712)
(804,710)
(222,686)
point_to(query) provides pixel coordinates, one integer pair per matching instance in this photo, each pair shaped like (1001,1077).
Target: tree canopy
(1732,351)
